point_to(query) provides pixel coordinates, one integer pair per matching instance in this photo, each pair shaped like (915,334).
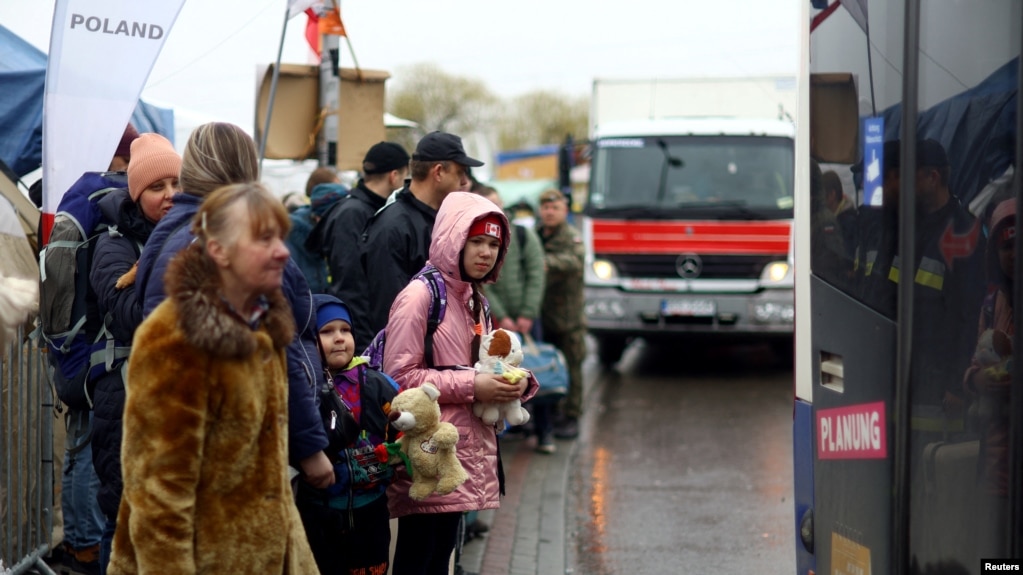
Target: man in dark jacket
(396,242)
(948,282)
(336,236)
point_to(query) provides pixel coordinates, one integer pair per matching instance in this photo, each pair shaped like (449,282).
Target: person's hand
(508,324)
(317,470)
(953,404)
(992,379)
(493,388)
(524,325)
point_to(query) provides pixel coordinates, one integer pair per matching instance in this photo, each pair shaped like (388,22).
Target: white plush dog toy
(18,299)
(501,353)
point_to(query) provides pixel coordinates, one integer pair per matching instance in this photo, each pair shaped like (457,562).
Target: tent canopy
(22,77)
(977,127)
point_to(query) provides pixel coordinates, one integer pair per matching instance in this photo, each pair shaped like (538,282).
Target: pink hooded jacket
(403,359)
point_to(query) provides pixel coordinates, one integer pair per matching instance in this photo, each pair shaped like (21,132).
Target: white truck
(687,221)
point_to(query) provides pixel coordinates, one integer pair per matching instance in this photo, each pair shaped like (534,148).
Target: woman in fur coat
(204,455)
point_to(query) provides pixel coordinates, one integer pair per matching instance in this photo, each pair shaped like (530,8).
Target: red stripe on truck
(704,237)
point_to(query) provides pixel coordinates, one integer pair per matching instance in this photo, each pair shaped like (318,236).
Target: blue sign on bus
(873,159)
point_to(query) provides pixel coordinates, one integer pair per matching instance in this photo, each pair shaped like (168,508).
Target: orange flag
(330,23)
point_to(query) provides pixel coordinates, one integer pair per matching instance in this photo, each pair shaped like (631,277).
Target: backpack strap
(110,355)
(438,303)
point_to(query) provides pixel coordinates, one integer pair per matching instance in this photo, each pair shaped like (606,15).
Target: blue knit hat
(324,196)
(329,308)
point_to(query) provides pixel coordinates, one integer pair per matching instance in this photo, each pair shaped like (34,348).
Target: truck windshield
(751,174)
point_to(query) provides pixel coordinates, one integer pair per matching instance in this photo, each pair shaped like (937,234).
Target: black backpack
(79,345)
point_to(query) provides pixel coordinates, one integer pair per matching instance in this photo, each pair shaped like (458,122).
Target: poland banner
(101,53)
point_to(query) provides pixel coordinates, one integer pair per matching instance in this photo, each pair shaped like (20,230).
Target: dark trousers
(573,345)
(425,543)
(543,411)
(342,547)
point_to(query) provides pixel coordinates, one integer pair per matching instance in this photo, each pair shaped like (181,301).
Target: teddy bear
(427,444)
(994,354)
(501,353)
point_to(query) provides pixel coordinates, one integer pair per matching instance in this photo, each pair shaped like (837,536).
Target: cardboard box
(834,118)
(295,111)
(360,120)
(295,119)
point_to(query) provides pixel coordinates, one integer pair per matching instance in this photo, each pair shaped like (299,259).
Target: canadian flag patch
(492,229)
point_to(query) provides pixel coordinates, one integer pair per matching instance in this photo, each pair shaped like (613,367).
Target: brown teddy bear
(427,442)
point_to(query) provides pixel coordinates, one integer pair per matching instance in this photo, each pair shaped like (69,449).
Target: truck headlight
(776,272)
(604,269)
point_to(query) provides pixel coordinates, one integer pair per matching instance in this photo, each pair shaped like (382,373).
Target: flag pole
(273,91)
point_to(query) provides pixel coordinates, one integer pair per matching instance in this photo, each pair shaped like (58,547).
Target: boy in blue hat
(347,523)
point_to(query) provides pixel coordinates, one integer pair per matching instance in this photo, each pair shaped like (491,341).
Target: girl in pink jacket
(469,242)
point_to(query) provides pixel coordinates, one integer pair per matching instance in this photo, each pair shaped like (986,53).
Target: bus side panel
(852,469)
(802,478)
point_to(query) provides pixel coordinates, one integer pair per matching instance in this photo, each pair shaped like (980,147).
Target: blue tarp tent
(22,76)
(977,127)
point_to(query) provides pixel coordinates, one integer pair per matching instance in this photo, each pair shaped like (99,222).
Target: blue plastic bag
(548,366)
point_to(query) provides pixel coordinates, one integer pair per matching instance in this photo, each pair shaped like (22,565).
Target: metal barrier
(26,458)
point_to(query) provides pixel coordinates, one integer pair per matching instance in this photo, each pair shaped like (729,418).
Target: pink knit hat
(152,158)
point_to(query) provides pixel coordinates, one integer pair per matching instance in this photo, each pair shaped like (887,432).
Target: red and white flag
(296,7)
(101,53)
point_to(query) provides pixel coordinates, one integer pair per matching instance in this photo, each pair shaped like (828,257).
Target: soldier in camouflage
(562,313)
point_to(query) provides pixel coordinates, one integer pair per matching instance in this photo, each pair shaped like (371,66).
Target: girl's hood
(451,229)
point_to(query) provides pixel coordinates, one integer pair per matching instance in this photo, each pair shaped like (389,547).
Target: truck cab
(687,227)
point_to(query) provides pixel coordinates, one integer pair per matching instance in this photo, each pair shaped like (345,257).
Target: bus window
(905,466)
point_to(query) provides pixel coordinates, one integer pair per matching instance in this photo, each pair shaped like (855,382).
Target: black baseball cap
(443,147)
(384,157)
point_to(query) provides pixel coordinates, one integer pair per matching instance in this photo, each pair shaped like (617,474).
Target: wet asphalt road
(684,464)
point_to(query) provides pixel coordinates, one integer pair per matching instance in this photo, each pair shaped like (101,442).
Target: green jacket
(518,292)
(563,298)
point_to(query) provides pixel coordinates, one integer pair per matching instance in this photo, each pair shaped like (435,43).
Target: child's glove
(359,468)
(367,469)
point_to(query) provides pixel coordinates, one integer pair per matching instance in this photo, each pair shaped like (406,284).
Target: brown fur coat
(206,486)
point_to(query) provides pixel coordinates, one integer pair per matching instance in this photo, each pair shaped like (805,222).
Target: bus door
(906,433)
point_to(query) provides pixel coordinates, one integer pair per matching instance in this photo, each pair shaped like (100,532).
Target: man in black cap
(337,235)
(396,242)
(947,276)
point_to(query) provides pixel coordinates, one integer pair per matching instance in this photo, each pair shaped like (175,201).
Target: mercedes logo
(689,266)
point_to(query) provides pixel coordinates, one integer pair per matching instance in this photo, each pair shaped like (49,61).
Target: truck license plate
(688,307)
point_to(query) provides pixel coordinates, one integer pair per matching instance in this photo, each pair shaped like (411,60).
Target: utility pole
(330,82)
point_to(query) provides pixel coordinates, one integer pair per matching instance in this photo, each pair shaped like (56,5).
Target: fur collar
(193,282)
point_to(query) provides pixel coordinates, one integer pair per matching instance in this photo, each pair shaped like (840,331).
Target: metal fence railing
(27,419)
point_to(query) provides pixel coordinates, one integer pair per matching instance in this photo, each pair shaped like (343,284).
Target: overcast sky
(208,64)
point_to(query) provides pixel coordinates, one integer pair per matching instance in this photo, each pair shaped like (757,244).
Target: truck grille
(714,266)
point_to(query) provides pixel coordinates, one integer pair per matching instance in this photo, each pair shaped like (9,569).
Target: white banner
(296,7)
(101,53)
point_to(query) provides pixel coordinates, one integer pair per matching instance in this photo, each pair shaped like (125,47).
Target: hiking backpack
(429,275)
(80,348)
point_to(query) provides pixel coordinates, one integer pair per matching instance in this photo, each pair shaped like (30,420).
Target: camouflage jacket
(564,257)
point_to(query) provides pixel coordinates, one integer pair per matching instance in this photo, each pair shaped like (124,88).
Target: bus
(907,435)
